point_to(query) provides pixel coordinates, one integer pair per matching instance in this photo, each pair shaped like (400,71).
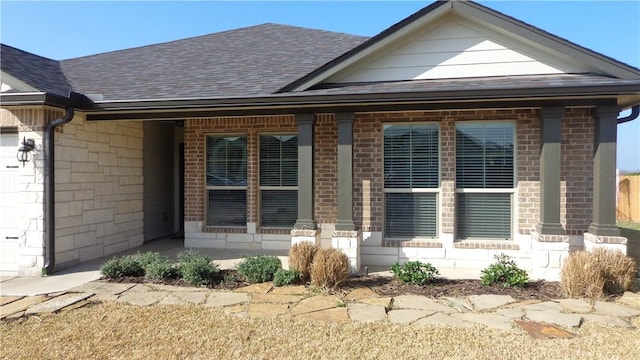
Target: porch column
(551,124)
(345,172)
(305,172)
(604,172)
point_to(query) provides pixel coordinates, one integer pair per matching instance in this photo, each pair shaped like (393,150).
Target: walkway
(362,304)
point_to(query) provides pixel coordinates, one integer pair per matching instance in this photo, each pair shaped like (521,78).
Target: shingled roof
(249,61)
(39,72)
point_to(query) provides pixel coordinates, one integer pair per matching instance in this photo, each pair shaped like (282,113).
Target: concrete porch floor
(77,275)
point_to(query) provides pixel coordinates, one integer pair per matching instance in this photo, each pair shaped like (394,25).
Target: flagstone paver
(57,303)
(139,288)
(338,315)
(487,302)
(222,299)
(493,321)
(513,313)
(360,294)
(630,299)
(141,298)
(607,320)
(290,290)
(237,309)
(260,288)
(171,299)
(575,305)
(382,301)
(366,313)
(420,303)
(7,299)
(519,304)
(275,298)
(20,305)
(266,310)
(443,319)
(544,306)
(462,305)
(405,316)
(539,330)
(191,297)
(609,308)
(102,288)
(316,303)
(554,317)
(173,288)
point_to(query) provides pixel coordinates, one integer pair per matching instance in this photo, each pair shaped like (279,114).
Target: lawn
(120,331)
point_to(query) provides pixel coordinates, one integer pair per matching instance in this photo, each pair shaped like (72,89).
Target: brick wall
(99,189)
(577,143)
(576,192)
(195,132)
(368,164)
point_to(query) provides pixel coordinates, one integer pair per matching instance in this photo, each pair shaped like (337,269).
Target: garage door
(8,200)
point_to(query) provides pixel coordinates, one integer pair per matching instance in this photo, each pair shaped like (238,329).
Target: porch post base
(548,253)
(349,243)
(298,236)
(592,242)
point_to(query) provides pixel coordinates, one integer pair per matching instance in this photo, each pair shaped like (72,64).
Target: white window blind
(411,162)
(484,179)
(278,180)
(226,176)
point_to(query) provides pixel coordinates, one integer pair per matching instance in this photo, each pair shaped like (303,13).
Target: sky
(68,29)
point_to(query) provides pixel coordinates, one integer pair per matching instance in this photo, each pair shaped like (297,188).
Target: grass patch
(120,331)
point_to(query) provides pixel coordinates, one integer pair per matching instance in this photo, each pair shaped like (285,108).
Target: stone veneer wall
(29,252)
(99,189)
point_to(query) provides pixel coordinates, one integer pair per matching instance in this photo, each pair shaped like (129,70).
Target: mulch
(389,286)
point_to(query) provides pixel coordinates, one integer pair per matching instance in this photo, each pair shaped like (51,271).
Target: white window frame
(434,190)
(512,191)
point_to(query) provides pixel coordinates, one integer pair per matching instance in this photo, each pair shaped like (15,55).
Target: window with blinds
(484,179)
(278,180)
(226,180)
(411,180)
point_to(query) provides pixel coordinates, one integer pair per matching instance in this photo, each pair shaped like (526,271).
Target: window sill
(486,244)
(417,243)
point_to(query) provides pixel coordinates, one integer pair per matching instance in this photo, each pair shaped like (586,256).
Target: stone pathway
(360,305)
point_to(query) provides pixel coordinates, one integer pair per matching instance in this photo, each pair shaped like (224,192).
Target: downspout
(635,111)
(50,189)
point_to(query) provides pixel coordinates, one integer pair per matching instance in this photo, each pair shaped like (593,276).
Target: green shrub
(161,269)
(286,277)
(415,272)
(258,269)
(146,258)
(195,268)
(505,272)
(127,265)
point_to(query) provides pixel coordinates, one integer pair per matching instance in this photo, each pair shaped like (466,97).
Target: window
(278,180)
(484,179)
(226,180)
(411,180)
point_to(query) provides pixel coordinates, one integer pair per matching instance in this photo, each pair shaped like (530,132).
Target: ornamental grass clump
(257,269)
(597,274)
(330,268)
(415,272)
(301,257)
(504,272)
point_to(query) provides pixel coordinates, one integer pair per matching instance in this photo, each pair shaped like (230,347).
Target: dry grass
(597,274)
(301,257)
(119,331)
(330,268)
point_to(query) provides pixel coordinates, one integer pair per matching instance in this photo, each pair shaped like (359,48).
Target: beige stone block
(85,239)
(97,216)
(98,147)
